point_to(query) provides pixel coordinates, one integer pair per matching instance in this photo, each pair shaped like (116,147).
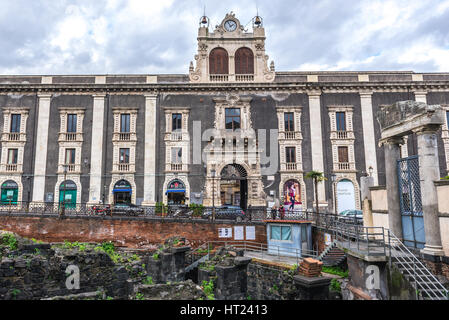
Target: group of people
(275,211)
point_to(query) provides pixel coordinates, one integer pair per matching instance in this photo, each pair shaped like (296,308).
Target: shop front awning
(175,191)
(122,190)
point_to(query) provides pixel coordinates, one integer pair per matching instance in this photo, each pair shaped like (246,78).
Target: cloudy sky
(159,36)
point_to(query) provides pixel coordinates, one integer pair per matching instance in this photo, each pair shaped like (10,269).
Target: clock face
(230,25)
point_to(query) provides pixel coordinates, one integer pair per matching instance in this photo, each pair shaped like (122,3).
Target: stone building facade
(231,131)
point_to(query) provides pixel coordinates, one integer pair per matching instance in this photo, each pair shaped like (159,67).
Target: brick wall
(129,232)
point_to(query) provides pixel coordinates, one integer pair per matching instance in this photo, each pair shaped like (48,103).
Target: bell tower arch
(230,53)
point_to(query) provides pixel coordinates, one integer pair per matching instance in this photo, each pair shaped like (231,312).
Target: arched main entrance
(67,193)
(345,195)
(176,192)
(234,186)
(122,192)
(10,192)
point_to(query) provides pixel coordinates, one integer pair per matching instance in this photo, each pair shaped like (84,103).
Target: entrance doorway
(10,192)
(67,194)
(410,202)
(176,193)
(234,186)
(122,192)
(345,195)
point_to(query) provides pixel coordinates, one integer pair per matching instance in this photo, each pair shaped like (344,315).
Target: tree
(316,176)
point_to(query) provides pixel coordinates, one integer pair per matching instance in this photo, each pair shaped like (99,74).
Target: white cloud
(153,36)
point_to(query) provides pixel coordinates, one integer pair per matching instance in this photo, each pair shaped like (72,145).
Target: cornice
(149,89)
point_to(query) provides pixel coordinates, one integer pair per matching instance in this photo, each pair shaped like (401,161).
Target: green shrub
(336,271)
(335,285)
(10,241)
(148,280)
(208,288)
(198,209)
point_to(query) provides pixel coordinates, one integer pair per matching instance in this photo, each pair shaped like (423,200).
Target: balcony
(124,136)
(344,166)
(13,136)
(291,167)
(176,167)
(123,168)
(11,167)
(219,78)
(70,137)
(244,77)
(290,135)
(176,136)
(231,77)
(342,135)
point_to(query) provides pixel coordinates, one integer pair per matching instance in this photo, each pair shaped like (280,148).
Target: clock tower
(230,53)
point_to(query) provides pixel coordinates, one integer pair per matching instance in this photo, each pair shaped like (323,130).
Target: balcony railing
(124,136)
(341,134)
(219,78)
(176,136)
(231,77)
(71,136)
(291,166)
(176,166)
(11,167)
(290,135)
(13,136)
(244,77)
(344,166)
(123,167)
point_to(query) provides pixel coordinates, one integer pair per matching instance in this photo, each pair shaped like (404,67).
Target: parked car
(351,215)
(128,209)
(226,212)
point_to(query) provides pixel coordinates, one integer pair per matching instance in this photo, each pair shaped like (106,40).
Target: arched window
(218,61)
(244,61)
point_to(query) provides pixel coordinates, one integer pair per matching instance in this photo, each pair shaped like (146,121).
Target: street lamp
(212,172)
(333,179)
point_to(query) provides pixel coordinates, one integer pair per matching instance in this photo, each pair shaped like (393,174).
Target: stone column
(40,161)
(149,180)
(392,154)
(365,183)
(368,133)
(96,156)
(317,140)
(429,171)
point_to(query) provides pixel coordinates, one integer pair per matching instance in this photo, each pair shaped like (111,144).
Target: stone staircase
(332,255)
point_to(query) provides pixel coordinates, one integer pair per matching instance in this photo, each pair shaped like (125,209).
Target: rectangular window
(232,116)
(12,156)
(71,123)
(290,154)
(341,121)
(176,121)
(289,121)
(176,155)
(343,154)
(124,155)
(15,122)
(281,233)
(124,122)
(69,156)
